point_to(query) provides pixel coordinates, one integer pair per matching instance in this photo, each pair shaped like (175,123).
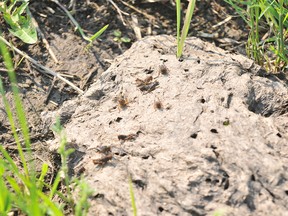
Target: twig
(45,69)
(83,85)
(3,70)
(135,26)
(43,38)
(50,90)
(120,12)
(10,145)
(137,10)
(222,22)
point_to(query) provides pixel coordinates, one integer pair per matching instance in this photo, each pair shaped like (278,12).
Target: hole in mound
(286,192)
(279,135)
(160,209)
(194,135)
(213,146)
(99,196)
(198,61)
(225,183)
(118,119)
(181,59)
(140,184)
(145,157)
(113,78)
(163,60)
(121,153)
(213,130)
(139,132)
(208,180)
(148,70)
(202,100)
(208,198)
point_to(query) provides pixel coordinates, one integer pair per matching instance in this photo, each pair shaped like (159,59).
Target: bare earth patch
(208,133)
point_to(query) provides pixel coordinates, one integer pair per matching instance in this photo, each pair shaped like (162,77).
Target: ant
(163,70)
(122,102)
(146,81)
(102,161)
(104,149)
(158,105)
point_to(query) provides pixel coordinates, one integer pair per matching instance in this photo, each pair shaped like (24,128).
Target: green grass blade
(185,29)
(133,203)
(40,181)
(97,34)
(11,164)
(18,104)
(178,17)
(82,206)
(5,196)
(53,209)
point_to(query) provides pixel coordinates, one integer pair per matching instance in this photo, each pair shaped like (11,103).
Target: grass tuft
(23,190)
(187,21)
(267,20)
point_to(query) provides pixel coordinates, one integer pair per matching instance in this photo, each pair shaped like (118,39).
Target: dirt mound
(206,133)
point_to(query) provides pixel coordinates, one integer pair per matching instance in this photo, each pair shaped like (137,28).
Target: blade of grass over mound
(132,196)
(178,17)
(187,21)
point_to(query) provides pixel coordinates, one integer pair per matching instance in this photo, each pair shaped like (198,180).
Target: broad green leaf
(21,26)
(27,34)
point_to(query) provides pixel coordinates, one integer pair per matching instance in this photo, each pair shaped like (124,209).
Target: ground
(42,94)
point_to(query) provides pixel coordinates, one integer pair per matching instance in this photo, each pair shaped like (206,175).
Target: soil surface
(42,92)
(184,137)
